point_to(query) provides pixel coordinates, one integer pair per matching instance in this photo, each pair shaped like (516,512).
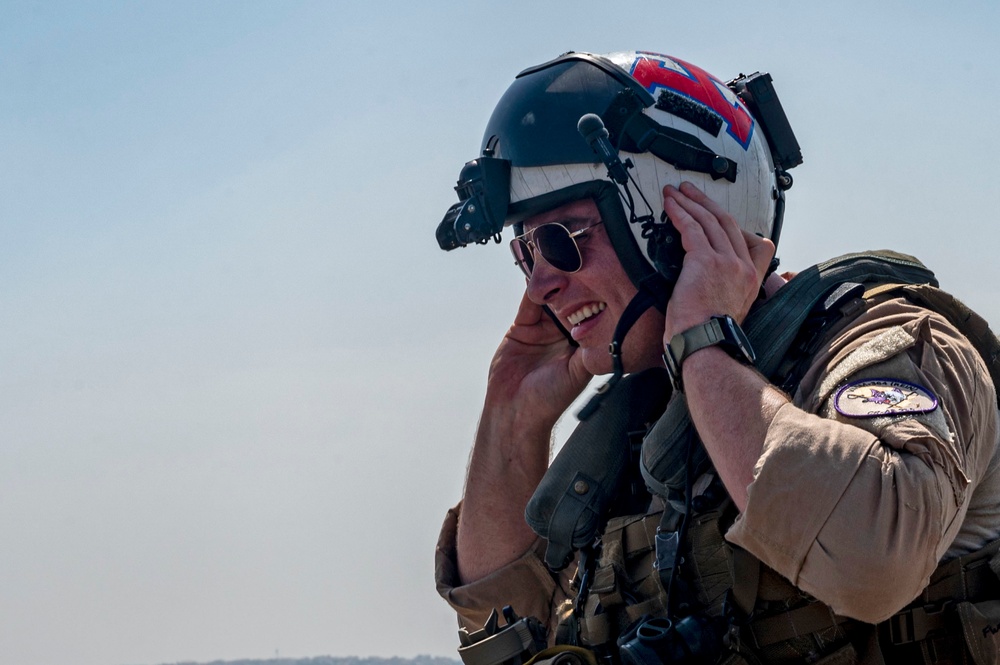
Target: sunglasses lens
(522,255)
(553,242)
(558,248)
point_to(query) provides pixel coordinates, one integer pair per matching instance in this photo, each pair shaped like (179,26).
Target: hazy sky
(238,380)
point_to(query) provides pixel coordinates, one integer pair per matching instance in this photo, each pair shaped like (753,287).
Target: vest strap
(810,618)
(746,580)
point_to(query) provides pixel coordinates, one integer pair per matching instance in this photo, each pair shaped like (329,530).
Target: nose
(545,281)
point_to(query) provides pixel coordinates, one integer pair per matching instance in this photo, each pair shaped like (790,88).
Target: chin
(597,361)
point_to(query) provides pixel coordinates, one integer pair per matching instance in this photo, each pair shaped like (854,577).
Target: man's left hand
(723,267)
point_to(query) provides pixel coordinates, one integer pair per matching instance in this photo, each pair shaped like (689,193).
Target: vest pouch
(624,574)
(981,630)
(591,470)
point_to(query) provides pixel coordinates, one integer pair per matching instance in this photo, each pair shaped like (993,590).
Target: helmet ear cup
(664,248)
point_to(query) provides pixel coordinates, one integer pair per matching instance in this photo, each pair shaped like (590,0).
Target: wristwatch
(721,330)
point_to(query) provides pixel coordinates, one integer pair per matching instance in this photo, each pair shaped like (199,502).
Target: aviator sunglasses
(554,242)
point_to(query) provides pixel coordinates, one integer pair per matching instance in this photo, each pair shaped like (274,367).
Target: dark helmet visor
(535,122)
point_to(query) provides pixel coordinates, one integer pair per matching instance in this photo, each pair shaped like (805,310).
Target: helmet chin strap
(642,301)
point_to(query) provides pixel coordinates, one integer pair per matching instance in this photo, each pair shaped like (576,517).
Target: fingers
(719,229)
(748,246)
(533,326)
(724,266)
(528,312)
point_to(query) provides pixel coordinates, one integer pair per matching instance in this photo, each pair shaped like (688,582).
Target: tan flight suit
(855,512)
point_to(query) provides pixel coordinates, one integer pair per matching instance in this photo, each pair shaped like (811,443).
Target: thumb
(761,252)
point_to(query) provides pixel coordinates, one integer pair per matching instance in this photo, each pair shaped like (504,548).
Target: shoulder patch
(883,397)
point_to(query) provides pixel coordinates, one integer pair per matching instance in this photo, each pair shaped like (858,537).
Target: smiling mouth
(585,313)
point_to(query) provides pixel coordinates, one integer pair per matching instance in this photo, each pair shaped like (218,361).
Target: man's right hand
(534,376)
(535,369)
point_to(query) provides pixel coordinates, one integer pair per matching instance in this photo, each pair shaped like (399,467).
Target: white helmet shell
(736,136)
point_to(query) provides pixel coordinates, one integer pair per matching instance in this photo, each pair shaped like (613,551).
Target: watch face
(734,333)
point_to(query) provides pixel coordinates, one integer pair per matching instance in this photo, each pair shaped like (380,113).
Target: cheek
(606,276)
(621,289)
(644,343)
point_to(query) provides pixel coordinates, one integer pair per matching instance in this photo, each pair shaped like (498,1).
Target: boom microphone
(592,129)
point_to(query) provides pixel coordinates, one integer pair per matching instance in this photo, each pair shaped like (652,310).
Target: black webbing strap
(843,302)
(811,618)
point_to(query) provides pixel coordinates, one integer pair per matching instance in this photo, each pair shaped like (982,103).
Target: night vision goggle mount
(483,194)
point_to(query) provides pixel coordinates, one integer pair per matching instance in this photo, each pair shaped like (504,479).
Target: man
(838,491)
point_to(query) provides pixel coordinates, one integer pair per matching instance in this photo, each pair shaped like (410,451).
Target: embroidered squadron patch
(883,397)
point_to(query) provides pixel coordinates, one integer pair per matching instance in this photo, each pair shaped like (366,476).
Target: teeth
(586,312)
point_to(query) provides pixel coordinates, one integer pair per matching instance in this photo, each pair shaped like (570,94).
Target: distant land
(331,660)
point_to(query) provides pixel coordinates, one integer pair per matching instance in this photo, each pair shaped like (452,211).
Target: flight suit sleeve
(525,584)
(858,511)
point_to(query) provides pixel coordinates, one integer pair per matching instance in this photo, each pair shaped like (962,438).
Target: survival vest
(728,607)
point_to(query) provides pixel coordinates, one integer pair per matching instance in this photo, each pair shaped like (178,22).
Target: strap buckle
(667,544)
(915,624)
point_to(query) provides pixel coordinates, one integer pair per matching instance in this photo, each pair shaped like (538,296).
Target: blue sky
(239,380)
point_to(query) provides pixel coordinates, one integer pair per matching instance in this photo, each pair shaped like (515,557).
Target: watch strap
(717,330)
(696,338)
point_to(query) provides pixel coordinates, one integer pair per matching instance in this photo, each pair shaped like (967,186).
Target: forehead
(571,215)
